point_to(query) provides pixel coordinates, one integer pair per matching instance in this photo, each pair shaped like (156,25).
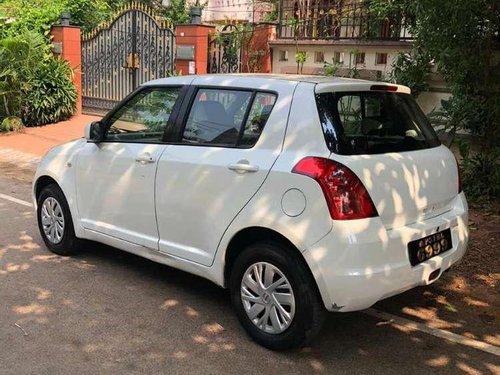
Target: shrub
(330,69)
(300,59)
(443,124)
(40,15)
(480,173)
(19,58)
(51,96)
(88,13)
(412,69)
(11,124)
(33,84)
(29,15)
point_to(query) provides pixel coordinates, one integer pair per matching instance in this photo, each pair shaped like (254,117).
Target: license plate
(428,247)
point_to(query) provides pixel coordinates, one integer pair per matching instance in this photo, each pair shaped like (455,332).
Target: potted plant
(195,12)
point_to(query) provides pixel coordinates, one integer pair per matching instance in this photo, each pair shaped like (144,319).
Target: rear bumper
(360,262)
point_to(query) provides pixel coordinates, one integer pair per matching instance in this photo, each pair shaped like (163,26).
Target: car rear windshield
(372,122)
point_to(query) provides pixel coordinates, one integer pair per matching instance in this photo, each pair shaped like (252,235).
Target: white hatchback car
(300,194)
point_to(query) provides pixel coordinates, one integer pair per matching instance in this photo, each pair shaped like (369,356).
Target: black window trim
(172,118)
(181,120)
(245,120)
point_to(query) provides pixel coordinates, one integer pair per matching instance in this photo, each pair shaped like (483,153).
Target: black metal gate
(224,51)
(135,47)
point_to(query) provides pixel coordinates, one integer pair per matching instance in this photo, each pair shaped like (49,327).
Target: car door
(218,164)
(115,177)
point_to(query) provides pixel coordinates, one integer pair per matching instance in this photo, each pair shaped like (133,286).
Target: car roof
(322,83)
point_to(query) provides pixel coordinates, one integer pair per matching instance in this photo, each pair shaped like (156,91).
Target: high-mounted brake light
(384,88)
(345,194)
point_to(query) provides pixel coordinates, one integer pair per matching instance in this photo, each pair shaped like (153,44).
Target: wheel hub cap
(52,220)
(268,298)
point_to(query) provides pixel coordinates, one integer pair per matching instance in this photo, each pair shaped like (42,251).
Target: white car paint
(115,193)
(184,208)
(215,194)
(361,262)
(408,186)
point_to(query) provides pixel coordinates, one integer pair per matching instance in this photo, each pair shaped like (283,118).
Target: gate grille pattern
(224,52)
(133,48)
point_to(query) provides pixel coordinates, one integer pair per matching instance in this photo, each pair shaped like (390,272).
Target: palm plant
(51,96)
(19,57)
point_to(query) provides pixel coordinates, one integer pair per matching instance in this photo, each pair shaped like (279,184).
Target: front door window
(144,118)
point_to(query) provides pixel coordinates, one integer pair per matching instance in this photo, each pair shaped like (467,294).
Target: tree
(465,45)
(18,16)
(177,12)
(273,9)
(19,57)
(412,69)
(463,39)
(40,15)
(88,13)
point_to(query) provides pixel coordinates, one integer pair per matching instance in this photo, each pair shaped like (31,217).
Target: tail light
(345,194)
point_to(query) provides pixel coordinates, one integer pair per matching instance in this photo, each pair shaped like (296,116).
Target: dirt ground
(465,300)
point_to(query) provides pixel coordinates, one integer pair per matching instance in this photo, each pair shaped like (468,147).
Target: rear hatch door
(409,186)
(380,133)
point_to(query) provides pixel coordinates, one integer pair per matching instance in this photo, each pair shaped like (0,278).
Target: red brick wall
(69,37)
(197,36)
(262,34)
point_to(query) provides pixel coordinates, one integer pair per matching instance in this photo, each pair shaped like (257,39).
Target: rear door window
(259,113)
(373,123)
(227,117)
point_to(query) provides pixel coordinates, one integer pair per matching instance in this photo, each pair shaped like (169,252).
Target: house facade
(340,32)
(346,35)
(238,11)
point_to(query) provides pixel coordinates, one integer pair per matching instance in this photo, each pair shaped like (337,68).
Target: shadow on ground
(106,311)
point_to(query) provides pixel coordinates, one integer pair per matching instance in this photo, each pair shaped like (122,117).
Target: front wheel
(55,223)
(275,297)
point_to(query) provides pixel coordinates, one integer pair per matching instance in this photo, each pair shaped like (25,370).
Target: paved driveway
(108,312)
(38,140)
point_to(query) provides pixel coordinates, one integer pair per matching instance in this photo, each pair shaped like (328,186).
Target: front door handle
(145,158)
(243,166)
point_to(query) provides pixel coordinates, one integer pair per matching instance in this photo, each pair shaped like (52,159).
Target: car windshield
(373,122)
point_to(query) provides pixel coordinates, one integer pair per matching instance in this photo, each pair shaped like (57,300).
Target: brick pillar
(262,34)
(67,45)
(192,36)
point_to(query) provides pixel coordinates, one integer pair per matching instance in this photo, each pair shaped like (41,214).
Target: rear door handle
(243,167)
(145,158)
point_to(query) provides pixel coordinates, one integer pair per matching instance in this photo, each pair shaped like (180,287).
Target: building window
(338,57)
(283,55)
(319,57)
(360,58)
(381,58)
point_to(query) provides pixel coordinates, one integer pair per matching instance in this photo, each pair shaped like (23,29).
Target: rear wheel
(275,297)
(55,223)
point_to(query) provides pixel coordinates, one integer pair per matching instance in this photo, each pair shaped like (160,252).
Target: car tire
(53,212)
(307,313)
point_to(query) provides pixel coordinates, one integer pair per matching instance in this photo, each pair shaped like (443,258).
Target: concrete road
(108,312)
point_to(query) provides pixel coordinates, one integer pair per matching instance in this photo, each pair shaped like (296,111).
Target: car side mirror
(92,132)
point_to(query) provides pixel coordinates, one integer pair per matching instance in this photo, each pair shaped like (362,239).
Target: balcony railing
(344,22)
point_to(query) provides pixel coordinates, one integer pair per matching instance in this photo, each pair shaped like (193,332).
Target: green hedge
(51,96)
(34,85)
